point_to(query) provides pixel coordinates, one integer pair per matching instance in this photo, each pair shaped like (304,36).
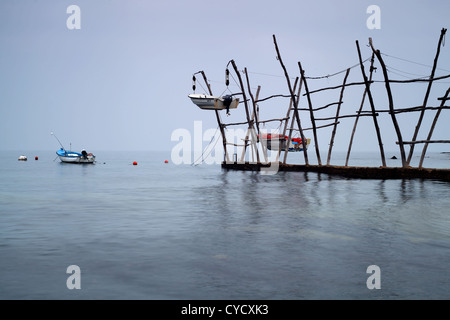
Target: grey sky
(121,81)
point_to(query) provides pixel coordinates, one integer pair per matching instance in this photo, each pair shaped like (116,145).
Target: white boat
(22,158)
(75,157)
(207,102)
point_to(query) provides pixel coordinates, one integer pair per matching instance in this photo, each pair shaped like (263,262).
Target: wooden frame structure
(292,121)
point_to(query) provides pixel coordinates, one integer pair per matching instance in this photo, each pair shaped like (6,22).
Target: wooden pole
(337,87)
(347,116)
(359,111)
(372,106)
(337,115)
(286,124)
(254,117)
(424,150)
(246,137)
(249,121)
(419,122)
(292,122)
(414,109)
(219,122)
(305,153)
(324,107)
(425,141)
(255,114)
(391,106)
(311,114)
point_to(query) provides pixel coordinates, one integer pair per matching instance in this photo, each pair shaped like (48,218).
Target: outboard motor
(227,102)
(84,153)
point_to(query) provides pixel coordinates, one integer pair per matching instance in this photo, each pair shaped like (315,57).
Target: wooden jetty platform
(291,132)
(383,173)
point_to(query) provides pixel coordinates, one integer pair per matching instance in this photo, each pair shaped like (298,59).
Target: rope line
(204,150)
(418,63)
(313,78)
(339,72)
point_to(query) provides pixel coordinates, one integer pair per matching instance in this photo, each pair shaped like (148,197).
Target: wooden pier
(293,123)
(383,173)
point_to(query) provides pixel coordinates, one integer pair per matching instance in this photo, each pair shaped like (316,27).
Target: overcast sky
(121,81)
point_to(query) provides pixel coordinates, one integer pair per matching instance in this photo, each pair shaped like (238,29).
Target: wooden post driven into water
(295,108)
(337,117)
(372,106)
(311,114)
(391,105)
(254,119)
(244,97)
(359,111)
(288,113)
(432,128)
(295,99)
(419,121)
(254,115)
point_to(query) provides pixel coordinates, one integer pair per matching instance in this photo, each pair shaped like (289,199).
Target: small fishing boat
(68,156)
(295,144)
(207,102)
(22,158)
(75,157)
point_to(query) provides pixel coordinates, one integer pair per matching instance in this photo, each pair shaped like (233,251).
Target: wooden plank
(350,172)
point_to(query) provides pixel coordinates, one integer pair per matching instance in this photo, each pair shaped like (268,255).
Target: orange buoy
(36,158)
(135,163)
(166,161)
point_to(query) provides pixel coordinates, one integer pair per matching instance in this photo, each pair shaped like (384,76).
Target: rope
(335,74)
(313,78)
(225,90)
(420,64)
(203,152)
(389,68)
(193,87)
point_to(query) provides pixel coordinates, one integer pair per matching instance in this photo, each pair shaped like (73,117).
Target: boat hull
(74,157)
(206,102)
(89,159)
(277,142)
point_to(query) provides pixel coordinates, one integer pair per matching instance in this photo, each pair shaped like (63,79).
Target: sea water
(157,230)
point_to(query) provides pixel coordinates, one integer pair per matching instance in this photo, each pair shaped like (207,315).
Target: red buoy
(166,161)
(135,163)
(36,158)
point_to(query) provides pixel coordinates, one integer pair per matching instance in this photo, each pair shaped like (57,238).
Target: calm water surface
(162,231)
